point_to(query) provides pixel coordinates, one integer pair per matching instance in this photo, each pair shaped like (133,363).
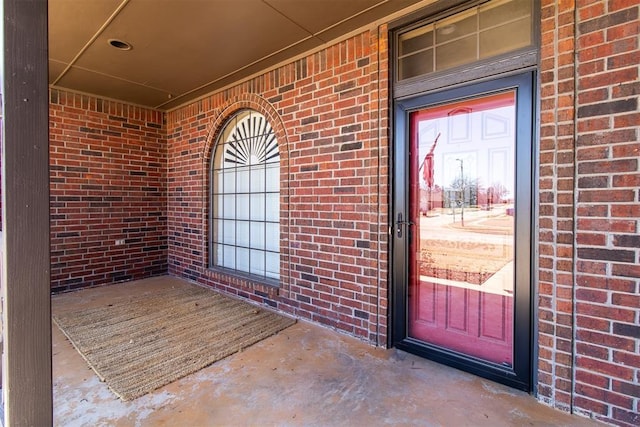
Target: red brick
(615,371)
(592,351)
(626,270)
(594,10)
(627,359)
(630,417)
(92,165)
(605,312)
(604,225)
(609,283)
(593,379)
(625,300)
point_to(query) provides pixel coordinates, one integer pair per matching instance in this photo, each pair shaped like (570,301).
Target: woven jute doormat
(142,343)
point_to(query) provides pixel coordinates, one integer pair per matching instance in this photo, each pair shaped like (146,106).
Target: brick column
(589,243)
(607,364)
(556,169)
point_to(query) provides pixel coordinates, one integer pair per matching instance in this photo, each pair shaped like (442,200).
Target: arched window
(245,197)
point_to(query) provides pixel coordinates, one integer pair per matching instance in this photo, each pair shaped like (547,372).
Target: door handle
(400,223)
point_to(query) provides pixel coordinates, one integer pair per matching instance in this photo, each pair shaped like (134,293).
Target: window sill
(247,278)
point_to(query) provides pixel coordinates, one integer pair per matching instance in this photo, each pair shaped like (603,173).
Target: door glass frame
(520,374)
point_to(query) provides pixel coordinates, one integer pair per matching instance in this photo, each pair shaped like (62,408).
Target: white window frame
(244,195)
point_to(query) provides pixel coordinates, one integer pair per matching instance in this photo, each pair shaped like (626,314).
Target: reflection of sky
(483,140)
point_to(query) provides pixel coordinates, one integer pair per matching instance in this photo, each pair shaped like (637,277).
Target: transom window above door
(245,198)
(485,31)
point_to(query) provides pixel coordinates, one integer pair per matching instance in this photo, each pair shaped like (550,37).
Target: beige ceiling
(183,49)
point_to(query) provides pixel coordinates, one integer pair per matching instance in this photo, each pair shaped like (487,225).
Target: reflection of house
(130,182)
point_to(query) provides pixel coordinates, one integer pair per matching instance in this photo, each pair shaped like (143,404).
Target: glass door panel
(461,202)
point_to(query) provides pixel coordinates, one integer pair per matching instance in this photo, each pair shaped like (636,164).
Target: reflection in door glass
(462,202)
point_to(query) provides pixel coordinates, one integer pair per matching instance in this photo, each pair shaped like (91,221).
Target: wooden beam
(25,219)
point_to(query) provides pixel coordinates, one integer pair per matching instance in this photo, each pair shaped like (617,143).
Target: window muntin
(485,31)
(245,197)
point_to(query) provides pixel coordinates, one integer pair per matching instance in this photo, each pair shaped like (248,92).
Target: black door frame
(520,376)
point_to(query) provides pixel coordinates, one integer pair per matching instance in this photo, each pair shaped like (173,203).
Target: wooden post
(25,220)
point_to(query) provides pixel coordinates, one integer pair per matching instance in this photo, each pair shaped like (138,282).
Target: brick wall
(556,209)
(108,182)
(589,208)
(118,173)
(329,111)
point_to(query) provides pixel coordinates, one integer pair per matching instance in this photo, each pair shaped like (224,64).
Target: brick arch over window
(248,102)
(219,122)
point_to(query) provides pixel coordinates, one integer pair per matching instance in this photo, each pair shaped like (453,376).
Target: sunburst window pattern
(245,197)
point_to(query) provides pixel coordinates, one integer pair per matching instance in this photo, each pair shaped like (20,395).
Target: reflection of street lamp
(461,191)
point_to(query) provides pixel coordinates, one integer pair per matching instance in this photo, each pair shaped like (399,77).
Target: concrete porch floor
(306,375)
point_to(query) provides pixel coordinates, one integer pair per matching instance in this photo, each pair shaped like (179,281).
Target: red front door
(461,203)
